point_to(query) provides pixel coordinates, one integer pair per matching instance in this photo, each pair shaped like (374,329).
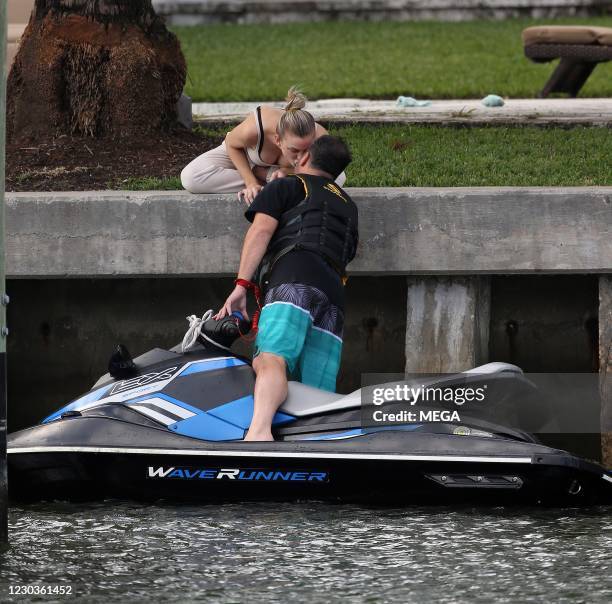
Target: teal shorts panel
(312,354)
(282,331)
(319,362)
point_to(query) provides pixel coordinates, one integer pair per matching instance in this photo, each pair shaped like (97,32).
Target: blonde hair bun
(295,99)
(295,119)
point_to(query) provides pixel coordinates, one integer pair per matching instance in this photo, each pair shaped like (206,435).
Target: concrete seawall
(402,231)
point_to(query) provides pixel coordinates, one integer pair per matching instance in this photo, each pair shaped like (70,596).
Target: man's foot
(259,436)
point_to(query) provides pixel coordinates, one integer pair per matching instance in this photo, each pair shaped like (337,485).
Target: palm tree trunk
(94,68)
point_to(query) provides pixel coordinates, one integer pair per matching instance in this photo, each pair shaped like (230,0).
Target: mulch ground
(79,164)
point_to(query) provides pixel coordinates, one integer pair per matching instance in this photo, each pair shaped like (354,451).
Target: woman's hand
(249,193)
(235,301)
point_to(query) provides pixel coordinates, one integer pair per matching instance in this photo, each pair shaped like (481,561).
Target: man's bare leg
(270,393)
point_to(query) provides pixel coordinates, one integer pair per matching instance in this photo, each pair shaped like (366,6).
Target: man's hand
(253,250)
(249,193)
(235,301)
(280,173)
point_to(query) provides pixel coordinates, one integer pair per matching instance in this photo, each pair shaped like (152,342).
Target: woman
(265,146)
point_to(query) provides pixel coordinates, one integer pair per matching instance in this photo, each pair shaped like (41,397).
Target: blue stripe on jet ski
(337,435)
(405,427)
(207,427)
(359,431)
(281,418)
(226,422)
(240,413)
(170,399)
(201,425)
(90,397)
(209,365)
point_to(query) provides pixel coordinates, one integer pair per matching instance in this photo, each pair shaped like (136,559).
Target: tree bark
(94,68)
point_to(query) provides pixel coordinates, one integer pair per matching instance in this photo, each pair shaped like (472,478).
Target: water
(308,552)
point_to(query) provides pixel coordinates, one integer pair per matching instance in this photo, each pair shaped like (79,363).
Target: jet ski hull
(396,468)
(174,431)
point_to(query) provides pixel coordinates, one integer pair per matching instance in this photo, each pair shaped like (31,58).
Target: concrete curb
(466,112)
(200,12)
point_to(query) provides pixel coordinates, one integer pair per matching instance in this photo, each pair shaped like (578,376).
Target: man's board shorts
(299,323)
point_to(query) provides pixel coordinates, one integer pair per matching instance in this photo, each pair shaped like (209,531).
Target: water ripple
(116,551)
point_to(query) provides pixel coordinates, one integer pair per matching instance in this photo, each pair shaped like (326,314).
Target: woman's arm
(320,131)
(242,136)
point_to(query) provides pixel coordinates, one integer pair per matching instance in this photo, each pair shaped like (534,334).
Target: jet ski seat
(305,400)
(496,367)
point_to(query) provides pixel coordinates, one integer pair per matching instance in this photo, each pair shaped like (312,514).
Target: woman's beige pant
(214,172)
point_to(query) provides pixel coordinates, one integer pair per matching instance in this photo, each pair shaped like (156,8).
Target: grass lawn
(434,156)
(370,60)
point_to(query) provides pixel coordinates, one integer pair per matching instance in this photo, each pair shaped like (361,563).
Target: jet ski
(170,424)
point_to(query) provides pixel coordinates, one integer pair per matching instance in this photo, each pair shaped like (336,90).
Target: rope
(249,285)
(195,331)
(195,323)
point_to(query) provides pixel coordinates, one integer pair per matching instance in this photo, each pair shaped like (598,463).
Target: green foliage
(437,156)
(370,60)
(151,183)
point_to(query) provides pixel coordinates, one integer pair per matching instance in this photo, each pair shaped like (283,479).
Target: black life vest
(325,222)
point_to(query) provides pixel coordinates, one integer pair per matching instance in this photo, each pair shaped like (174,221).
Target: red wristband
(244,283)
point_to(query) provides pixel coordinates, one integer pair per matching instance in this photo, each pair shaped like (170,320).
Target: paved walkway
(194,12)
(515,111)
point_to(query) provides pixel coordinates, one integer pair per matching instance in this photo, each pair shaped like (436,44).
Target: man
(304,233)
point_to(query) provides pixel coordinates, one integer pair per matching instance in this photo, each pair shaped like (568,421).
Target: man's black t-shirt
(298,266)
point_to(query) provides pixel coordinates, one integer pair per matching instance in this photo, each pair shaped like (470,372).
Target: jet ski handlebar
(210,332)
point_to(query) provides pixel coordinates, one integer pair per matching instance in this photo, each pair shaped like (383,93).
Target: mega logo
(183,473)
(143,380)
